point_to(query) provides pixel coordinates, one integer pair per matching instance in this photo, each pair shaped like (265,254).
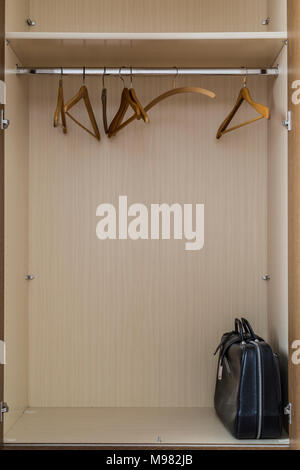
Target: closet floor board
(175,426)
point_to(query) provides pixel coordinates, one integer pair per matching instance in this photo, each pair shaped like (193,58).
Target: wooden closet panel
(134,323)
(278,218)
(294,216)
(2,176)
(148,16)
(277,10)
(16,14)
(16,243)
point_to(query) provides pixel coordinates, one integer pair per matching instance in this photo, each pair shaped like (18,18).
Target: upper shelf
(147,49)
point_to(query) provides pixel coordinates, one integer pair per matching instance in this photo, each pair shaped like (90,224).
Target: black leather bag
(248,389)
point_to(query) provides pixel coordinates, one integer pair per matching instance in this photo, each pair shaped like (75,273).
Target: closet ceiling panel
(152,16)
(134,322)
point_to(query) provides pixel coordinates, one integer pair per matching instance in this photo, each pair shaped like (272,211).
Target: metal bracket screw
(266,22)
(288,412)
(266,277)
(3,409)
(288,121)
(4,123)
(30,22)
(29,277)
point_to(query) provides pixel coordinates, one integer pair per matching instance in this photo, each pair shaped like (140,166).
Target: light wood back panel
(135,323)
(148,16)
(278,218)
(16,13)
(16,242)
(277,11)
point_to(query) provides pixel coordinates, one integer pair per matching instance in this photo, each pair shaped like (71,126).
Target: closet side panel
(148,16)
(2,77)
(16,242)
(135,323)
(278,217)
(294,218)
(16,15)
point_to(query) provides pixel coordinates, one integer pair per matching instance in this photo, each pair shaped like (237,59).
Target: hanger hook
(61,72)
(131,81)
(120,76)
(245,79)
(174,80)
(83,74)
(103,75)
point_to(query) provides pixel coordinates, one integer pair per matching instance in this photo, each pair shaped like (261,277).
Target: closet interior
(112,341)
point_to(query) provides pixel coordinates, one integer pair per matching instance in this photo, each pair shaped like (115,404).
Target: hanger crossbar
(146,71)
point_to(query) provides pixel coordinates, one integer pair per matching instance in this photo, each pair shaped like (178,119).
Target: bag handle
(248,328)
(238,326)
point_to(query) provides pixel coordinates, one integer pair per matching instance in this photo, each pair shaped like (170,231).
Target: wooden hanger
(126,101)
(60,110)
(174,91)
(83,94)
(142,113)
(128,98)
(104,103)
(244,95)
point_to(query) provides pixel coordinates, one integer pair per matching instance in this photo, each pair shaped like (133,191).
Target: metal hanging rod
(145,71)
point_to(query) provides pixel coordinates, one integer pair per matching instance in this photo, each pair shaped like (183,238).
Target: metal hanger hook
(61,72)
(245,79)
(131,81)
(120,75)
(176,76)
(83,74)
(103,75)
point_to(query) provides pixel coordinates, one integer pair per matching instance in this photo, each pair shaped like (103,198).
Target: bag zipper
(260,391)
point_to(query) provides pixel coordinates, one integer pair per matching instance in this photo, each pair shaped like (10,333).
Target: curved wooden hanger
(83,94)
(60,107)
(244,95)
(167,94)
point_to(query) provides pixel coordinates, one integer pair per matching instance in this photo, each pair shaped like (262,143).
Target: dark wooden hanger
(83,94)
(104,103)
(244,95)
(60,108)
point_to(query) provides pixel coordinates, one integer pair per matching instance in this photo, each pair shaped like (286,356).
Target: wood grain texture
(277,11)
(17,11)
(175,426)
(278,219)
(16,243)
(294,216)
(134,323)
(2,179)
(145,15)
(224,51)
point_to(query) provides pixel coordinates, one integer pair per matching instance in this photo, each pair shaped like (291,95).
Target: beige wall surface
(148,16)
(16,13)
(135,323)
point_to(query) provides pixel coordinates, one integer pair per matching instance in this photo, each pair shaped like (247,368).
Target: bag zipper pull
(220,372)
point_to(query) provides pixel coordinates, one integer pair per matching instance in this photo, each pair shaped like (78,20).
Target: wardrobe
(110,343)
